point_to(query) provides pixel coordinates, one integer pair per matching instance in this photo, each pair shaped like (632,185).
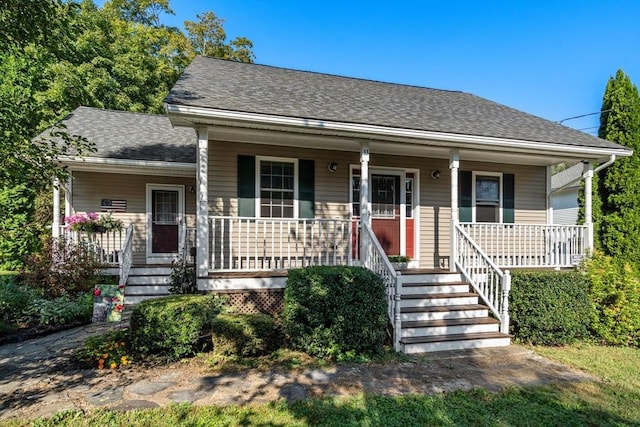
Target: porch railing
(486,278)
(106,246)
(530,245)
(187,246)
(374,258)
(126,260)
(251,244)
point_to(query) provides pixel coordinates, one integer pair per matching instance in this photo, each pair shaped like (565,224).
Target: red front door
(385,211)
(165,217)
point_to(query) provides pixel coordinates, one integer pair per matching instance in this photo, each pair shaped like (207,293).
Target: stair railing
(375,259)
(126,260)
(486,278)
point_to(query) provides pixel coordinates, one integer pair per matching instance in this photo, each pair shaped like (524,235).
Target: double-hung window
(486,197)
(277,189)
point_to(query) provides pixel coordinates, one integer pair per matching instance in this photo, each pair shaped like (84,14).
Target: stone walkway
(37,378)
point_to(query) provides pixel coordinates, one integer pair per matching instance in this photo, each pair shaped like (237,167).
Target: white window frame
(473,194)
(258,205)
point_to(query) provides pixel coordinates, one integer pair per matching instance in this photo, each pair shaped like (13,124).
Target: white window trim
(258,187)
(473,193)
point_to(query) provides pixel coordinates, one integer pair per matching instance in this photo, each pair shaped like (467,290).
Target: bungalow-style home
(255,170)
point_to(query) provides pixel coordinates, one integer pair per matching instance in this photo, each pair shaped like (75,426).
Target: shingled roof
(132,136)
(250,88)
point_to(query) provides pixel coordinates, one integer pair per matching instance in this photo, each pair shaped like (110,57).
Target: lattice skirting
(254,301)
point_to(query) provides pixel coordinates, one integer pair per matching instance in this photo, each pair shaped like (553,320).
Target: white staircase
(439,312)
(147,282)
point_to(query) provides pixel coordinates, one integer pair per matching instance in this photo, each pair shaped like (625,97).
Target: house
(263,169)
(565,190)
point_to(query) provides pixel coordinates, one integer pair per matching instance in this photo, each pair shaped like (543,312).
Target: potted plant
(399,262)
(93,223)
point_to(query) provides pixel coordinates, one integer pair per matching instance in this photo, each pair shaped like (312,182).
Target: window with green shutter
(486,197)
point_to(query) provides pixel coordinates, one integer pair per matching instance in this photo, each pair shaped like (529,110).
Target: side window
(277,189)
(487,192)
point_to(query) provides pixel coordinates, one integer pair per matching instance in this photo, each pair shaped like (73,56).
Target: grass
(612,401)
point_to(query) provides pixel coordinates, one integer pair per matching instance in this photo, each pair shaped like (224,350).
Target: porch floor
(283,273)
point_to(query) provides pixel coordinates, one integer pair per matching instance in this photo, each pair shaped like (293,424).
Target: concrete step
(444,312)
(449,327)
(146,290)
(150,271)
(434,288)
(430,300)
(413,345)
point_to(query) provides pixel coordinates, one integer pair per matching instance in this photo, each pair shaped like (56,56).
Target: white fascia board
(127,166)
(191,114)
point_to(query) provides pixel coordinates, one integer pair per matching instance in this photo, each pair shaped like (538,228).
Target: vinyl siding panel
(89,188)
(332,188)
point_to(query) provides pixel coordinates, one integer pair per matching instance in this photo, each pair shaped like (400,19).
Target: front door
(385,211)
(165,205)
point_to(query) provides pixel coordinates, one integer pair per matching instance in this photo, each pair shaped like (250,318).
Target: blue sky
(551,58)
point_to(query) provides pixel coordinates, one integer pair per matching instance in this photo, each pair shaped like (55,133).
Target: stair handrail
(474,264)
(126,260)
(375,259)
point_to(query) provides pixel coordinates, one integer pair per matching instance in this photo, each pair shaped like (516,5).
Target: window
(277,189)
(355,193)
(408,184)
(487,195)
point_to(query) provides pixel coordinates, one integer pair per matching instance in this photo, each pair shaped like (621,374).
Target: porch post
(588,203)
(55,226)
(202,235)
(454,165)
(364,198)
(67,197)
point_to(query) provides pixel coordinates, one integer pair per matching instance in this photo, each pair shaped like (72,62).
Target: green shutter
(246,186)
(306,188)
(508,198)
(465,192)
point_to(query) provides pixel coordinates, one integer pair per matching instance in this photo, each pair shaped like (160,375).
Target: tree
(208,38)
(618,187)
(56,55)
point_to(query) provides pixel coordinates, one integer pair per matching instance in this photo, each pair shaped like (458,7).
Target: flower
(113,365)
(96,292)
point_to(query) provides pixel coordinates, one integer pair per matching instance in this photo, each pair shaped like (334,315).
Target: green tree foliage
(618,187)
(56,55)
(208,38)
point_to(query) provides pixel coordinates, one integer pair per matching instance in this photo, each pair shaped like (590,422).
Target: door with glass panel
(385,211)
(165,210)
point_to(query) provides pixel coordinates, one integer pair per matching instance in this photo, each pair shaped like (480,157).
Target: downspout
(606,164)
(587,175)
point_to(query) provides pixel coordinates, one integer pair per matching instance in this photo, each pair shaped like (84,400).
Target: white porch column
(364,199)
(454,165)
(202,197)
(67,197)
(55,226)
(588,202)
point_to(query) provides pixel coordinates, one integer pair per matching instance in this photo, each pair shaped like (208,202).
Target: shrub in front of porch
(173,327)
(337,312)
(549,307)
(241,335)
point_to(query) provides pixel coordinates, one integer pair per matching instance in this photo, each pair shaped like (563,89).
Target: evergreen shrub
(173,327)
(335,311)
(615,294)
(549,307)
(245,335)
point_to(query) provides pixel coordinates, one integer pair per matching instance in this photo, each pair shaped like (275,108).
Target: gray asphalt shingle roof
(133,136)
(251,88)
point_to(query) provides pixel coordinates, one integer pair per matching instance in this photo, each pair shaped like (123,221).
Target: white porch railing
(251,244)
(126,260)
(486,278)
(107,246)
(187,245)
(530,245)
(375,259)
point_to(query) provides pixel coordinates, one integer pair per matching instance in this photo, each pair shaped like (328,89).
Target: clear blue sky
(551,58)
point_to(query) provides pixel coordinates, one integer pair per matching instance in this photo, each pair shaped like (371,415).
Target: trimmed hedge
(337,312)
(615,294)
(173,327)
(549,307)
(245,335)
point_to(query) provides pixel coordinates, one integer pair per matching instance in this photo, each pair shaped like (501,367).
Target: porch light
(333,166)
(435,174)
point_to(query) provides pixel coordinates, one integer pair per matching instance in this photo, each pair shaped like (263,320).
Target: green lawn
(614,400)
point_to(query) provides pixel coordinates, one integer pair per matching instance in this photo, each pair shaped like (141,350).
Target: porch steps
(439,312)
(147,282)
